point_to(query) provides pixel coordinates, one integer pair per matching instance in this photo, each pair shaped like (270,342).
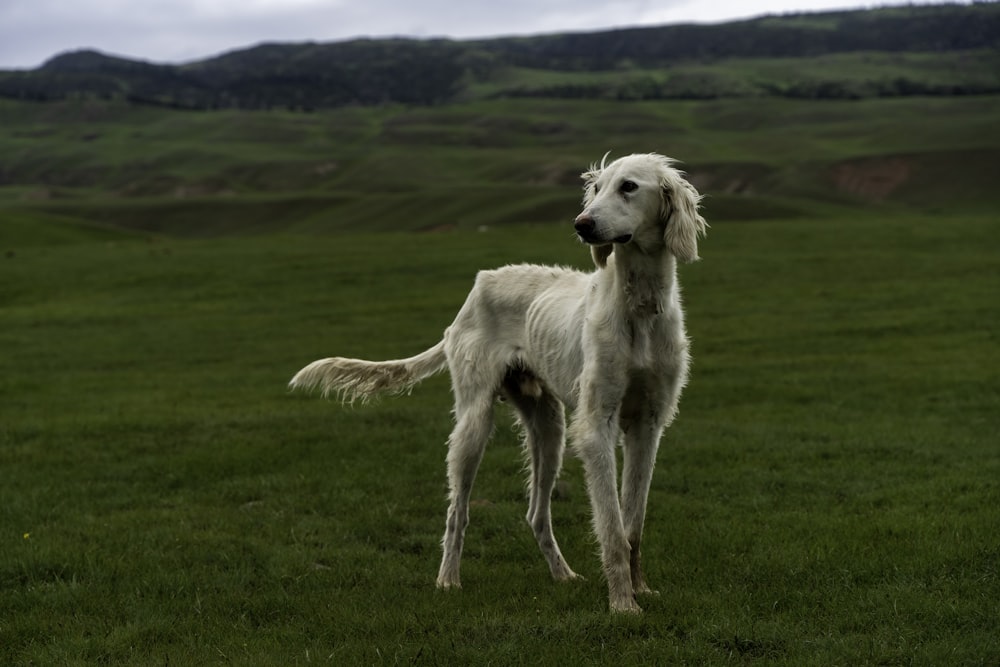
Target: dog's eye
(628,186)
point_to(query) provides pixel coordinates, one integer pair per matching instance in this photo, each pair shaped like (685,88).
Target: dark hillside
(327,75)
(915,29)
(662,63)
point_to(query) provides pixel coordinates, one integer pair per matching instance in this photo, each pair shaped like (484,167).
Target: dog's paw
(626,606)
(644,589)
(566,574)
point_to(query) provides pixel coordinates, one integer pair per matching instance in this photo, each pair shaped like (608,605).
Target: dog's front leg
(595,434)
(641,443)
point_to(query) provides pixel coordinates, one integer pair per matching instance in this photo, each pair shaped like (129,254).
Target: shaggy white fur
(609,345)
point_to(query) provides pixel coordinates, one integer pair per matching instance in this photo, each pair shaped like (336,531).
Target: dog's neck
(644,280)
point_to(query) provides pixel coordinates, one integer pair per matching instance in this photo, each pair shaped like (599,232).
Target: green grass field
(829,495)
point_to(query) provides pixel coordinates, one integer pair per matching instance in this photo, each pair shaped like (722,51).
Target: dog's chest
(645,344)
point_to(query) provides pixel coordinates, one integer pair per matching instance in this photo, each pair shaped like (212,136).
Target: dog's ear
(680,210)
(600,254)
(590,184)
(590,180)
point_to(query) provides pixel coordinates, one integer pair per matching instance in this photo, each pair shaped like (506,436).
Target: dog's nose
(584,224)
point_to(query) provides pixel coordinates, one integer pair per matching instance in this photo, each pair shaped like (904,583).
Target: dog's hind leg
(473,424)
(543,418)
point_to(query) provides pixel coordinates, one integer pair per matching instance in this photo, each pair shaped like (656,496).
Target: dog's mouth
(593,240)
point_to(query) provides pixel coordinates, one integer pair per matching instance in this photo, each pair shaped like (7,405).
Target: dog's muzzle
(586,229)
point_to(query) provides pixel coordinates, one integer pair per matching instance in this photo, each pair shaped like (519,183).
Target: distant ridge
(426,72)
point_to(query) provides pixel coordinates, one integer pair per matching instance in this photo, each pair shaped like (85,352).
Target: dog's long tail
(353,379)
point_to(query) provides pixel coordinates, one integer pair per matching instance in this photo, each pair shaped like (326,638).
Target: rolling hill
(795,117)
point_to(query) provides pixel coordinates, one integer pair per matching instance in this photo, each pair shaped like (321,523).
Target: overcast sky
(174,31)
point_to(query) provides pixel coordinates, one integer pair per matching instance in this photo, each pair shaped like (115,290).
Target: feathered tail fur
(353,379)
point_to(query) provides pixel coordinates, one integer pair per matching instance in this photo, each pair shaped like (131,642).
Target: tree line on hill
(426,72)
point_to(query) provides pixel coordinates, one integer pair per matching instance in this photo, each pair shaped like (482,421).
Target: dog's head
(639,199)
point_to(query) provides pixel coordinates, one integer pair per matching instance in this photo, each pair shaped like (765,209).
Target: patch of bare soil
(871,178)
(736,178)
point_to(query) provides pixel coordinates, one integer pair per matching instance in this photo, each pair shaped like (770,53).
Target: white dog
(608,345)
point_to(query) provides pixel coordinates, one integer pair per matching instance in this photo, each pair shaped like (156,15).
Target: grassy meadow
(829,495)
